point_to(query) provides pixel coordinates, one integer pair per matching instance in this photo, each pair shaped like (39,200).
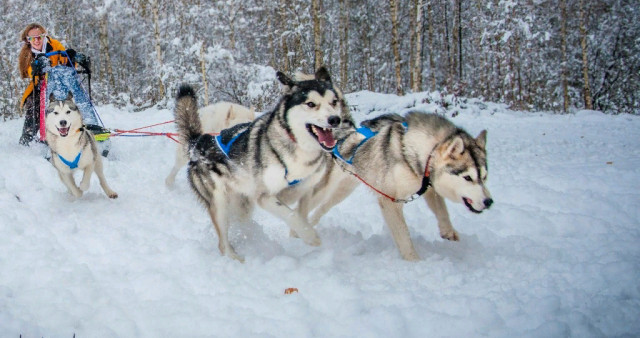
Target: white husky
(214,118)
(73,146)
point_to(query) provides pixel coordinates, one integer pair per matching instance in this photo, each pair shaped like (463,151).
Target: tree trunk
(203,69)
(417,71)
(432,64)
(317,34)
(272,46)
(447,46)
(563,41)
(459,40)
(344,44)
(585,62)
(283,37)
(103,38)
(393,6)
(156,30)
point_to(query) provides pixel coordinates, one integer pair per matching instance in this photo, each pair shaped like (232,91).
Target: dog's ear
(322,74)
(69,97)
(51,97)
(481,140)
(455,148)
(285,80)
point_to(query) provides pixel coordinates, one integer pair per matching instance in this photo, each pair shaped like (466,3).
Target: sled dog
(214,118)
(73,146)
(401,158)
(251,163)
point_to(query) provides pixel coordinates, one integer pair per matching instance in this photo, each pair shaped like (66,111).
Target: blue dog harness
(367,133)
(73,164)
(226,148)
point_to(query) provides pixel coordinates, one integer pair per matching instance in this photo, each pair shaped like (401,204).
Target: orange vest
(52,46)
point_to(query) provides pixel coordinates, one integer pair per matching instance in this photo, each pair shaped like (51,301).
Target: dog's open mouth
(323,135)
(469,203)
(64,131)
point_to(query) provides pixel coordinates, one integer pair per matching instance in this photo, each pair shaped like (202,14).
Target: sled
(62,79)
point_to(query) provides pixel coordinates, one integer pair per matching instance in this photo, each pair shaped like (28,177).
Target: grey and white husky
(73,147)
(401,158)
(252,163)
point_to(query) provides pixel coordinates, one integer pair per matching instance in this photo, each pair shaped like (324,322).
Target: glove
(71,53)
(38,65)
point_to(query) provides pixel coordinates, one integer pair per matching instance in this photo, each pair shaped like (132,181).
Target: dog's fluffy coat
(214,118)
(395,161)
(282,148)
(70,141)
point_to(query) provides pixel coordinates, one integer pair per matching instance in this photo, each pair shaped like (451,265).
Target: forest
(533,55)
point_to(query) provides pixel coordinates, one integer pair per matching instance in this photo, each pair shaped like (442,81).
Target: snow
(556,255)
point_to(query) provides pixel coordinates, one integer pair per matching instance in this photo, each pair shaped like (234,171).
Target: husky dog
(73,146)
(254,162)
(401,158)
(214,118)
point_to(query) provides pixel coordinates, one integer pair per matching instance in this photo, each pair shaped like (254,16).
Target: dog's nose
(63,123)
(488,202)
(334,121)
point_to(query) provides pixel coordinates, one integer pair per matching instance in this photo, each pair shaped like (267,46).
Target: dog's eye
(334,102)
(68,112)
(468,178)
(311,105)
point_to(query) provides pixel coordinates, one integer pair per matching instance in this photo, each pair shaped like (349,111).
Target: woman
(36,42)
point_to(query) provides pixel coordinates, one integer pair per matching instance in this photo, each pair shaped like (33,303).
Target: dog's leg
(394,217)
(103,181)
(181,160)
(67,179)
(340,192)
(293,218)
(86,178)
(220,221)
(437,205)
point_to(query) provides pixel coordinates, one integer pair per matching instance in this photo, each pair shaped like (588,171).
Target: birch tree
(317,34)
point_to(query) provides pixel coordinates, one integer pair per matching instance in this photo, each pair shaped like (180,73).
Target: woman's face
(35,38)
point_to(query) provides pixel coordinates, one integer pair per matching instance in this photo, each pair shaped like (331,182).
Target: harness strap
(73,164)
(226,147)
(286,173)
(364,131)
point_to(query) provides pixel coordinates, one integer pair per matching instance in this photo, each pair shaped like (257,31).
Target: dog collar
(426,181)
(73,164)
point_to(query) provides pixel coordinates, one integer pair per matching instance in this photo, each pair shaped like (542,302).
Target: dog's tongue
(325,136)
(63,131)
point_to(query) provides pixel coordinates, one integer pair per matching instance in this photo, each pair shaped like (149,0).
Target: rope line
(140,133)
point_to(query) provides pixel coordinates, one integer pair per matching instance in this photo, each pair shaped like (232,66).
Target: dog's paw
(450,235)
(232,254)
(411,256)
(313,240)
(76,193)
(113,194)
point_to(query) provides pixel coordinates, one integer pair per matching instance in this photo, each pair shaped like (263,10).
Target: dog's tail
(186,115)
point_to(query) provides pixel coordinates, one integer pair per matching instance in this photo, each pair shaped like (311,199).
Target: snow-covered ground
(556,255)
